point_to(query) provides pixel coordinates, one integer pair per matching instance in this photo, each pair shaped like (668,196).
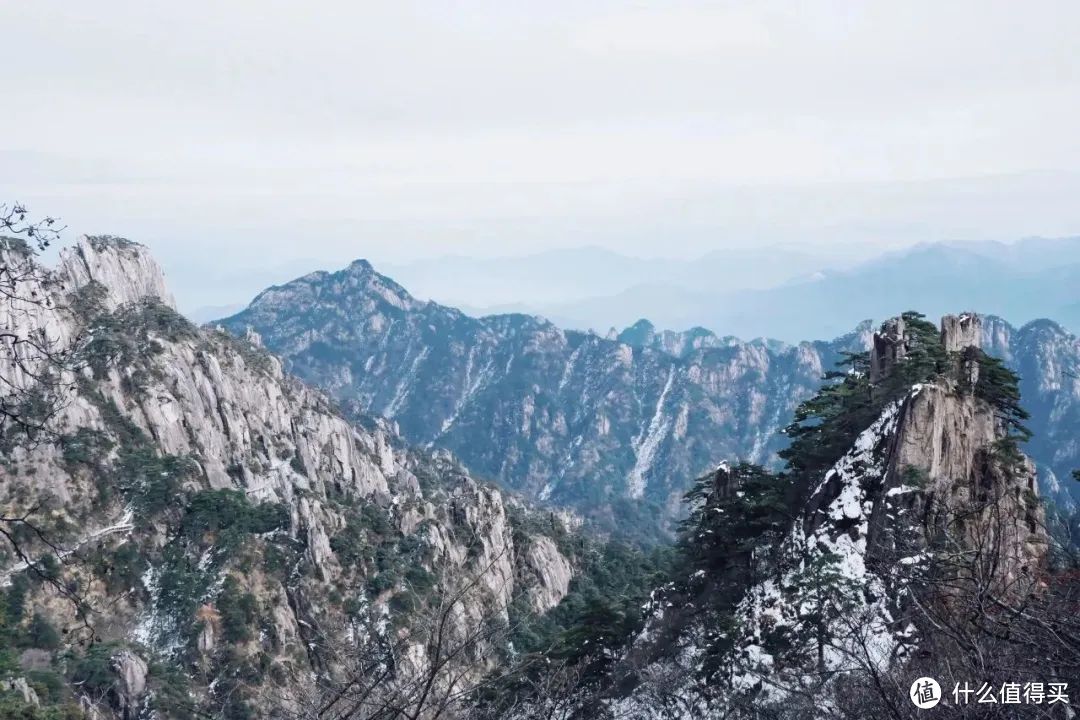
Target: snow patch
(401,391)
(648,442)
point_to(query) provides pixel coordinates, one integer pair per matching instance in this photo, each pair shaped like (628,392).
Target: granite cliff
(200,533)
(838,610)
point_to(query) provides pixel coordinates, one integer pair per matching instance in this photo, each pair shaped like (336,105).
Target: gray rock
(130,686)
(227,407)
(20,687)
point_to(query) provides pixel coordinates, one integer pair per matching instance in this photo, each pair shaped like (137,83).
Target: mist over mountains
(786,292)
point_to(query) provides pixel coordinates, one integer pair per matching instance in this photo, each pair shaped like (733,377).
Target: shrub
(239,612)
(41,634)
(93,671)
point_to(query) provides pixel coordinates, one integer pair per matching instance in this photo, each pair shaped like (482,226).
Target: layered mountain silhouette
(781,291)
(612,426)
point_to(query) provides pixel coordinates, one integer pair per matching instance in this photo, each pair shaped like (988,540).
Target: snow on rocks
(839,542)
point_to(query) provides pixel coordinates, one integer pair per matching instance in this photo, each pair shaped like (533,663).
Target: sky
(253,139)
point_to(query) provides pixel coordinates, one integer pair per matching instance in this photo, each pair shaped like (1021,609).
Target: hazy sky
(269,134)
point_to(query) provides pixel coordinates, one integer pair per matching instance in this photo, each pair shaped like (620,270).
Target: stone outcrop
(124,268)
(949,440)
(130,686)
(552,572)
(149,395)
(930,465)
(933,475)
(959,332)
(22,689)
(889,347)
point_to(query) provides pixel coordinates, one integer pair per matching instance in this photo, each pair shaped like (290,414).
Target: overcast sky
(268,134)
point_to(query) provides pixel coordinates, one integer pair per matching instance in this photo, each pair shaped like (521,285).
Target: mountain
(1047,359)
(933,278)
(190,532)
(538,278)
(905,540)
(785,291)
(573,276)
(1026,280)
(610,427)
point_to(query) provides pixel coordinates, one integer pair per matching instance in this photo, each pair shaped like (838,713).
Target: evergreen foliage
(612,584)
(1000,386)
(131,336)
(827,425)
(734,514)
(824,427)
(736,517)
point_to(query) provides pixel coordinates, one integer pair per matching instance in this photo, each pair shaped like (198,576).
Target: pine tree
(1000,386)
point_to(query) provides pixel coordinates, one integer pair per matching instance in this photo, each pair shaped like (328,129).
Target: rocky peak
(951,441)
(551,413)
(890,346)
(360,267)
(938,461)
(961,335)
(959,332)
(640,334)
(932,478)
(123,267)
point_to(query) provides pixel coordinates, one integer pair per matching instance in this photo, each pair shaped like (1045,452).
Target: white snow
(401,391)
(767,606)
(648,442)
(124,525)
(471,386)
(569,369)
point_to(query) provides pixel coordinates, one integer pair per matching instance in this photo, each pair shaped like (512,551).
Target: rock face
(889,347)
(1047,359)
(124,268)
(130,672)
(930,466)
(553,574)
(569,417)
(959,332)
(237,519)
(20,687)
(951,441)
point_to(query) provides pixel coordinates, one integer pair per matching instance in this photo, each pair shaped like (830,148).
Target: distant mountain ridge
(614,426)
(567,275)
(820,296)
(600,424)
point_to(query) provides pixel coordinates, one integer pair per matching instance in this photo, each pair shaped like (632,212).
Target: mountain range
(190,530)
(614,426)
(779,291)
